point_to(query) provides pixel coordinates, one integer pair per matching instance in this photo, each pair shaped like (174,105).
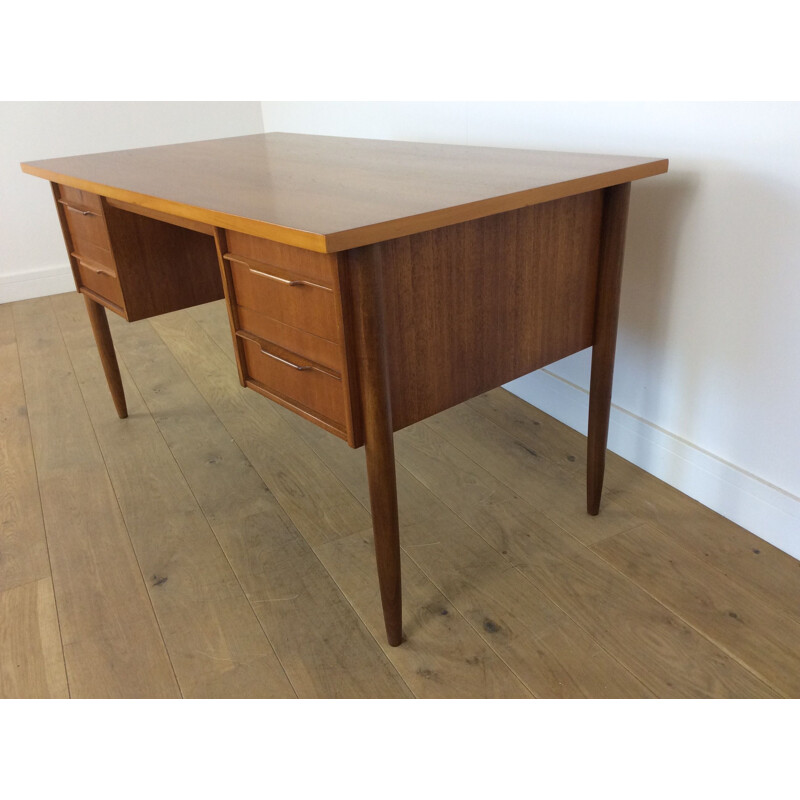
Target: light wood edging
(370,234)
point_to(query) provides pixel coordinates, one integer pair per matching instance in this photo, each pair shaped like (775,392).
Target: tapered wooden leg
(609,280)
(367,289)
(108,357)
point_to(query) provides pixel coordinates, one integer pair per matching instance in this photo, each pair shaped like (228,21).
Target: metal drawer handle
(80,211)
(285,281)
(283,360)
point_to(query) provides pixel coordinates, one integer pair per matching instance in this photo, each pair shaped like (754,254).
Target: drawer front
(318,267)
(294,379)
(87,229)
(312,347)
(286,297)
(101,280)
(82,199)
(83,213)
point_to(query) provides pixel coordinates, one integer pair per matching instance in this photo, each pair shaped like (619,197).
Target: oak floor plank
(544,647)
(112,644)
(541,483)
(214,640)
(31,654)
(664,598)
(552,655)
(720,543)
(753,632)
(319,639)
(31,657)
(479,671)
(668,656)
(312,496)
(23,547)
(442,657)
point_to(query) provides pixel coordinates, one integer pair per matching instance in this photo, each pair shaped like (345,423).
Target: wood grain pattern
(524,616)
(472,306)
(719,543)
(550,653)
(161,267)
(316,634)
(101,283)
(461,667)
(31,658)
(519,468)
(112,643)
(749,629)
(108,356)
(442,656)
(604,342)
(213,638)
(22,537)
(366,283)
(328,193)
(286,297)
(309,492)
(657,646)
(295,382)
(543,645)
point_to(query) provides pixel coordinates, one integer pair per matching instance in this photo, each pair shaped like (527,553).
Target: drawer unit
(286,312)
(100,280)
(294,381)
(285,296)
(86,235)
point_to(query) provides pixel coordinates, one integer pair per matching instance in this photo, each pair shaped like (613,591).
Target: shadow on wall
(710,290)
(659,210)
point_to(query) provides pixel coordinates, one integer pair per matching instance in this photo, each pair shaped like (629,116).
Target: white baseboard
(769,512)
(36,283)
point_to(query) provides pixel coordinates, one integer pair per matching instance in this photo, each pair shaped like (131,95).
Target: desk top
(328,193)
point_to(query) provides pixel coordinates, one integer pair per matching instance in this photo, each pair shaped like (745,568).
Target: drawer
(314,348)
(101,280)
(285,296)
(318,267)
(80,198)
(295,380)
(87,229)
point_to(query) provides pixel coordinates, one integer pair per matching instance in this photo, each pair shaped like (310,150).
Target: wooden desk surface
(328,193)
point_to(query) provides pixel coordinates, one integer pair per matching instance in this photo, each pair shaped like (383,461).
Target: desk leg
(108,358)
(367,285)
(609,279)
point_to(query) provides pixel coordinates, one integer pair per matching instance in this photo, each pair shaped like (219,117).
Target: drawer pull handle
(284,281)
(80,211)
(98,271)
(284,361)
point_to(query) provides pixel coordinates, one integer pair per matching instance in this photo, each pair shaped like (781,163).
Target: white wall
(707,381)
(33,261)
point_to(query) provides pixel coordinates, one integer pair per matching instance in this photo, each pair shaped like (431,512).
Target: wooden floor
(216,545)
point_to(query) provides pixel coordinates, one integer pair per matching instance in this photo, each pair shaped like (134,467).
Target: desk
(369,284)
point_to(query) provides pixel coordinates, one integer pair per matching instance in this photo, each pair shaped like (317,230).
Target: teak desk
(369,284)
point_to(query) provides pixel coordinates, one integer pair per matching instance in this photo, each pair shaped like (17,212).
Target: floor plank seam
(216,538)
(527,577)
(278,501)
(41,510)
(124,369)
(721,646)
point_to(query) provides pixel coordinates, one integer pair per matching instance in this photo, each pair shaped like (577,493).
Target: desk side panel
(475,305)
(161,267)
